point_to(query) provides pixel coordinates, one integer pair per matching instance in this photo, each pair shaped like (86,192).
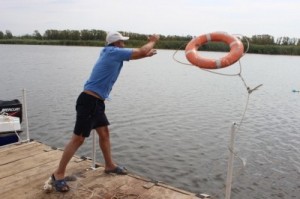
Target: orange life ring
(236,51)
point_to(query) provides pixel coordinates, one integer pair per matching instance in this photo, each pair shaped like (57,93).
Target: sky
(277,18)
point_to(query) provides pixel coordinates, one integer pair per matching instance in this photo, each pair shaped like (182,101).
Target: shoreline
(164,44)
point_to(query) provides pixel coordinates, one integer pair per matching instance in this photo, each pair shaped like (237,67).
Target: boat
(10,121)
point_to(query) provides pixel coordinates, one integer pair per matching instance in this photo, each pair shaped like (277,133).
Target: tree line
(263,44)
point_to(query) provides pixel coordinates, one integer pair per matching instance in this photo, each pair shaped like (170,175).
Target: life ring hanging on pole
(236,50)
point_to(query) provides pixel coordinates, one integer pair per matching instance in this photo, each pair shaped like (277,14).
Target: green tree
(283,40)
(74,35)
(8,34)
(27,36)
(37,35)
(1,35)
(293,41)
(85,35)
(99,35)
(51,34)
(262,39)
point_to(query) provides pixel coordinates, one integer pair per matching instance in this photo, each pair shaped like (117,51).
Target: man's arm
(147,49)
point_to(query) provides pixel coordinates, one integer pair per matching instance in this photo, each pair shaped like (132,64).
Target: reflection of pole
(230,162)
(94,150)
(26,116)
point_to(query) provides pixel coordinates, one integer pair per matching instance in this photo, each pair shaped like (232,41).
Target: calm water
(171,122)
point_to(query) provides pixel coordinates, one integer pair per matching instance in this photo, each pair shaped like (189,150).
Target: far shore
(164,44)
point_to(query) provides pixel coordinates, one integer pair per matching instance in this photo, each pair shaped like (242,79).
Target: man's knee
(103,133)
(78,140)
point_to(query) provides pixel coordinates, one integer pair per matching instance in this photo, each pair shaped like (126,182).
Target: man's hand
(147,49)
(153,38)
(151,53)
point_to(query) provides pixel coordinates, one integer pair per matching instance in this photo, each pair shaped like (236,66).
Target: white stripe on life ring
(208,37)
(218,63)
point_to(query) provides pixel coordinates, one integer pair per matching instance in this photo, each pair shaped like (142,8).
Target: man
(90,105)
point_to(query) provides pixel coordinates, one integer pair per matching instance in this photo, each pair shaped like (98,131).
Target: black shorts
(90,114)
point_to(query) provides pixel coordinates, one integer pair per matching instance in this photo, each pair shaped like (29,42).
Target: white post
(94,150)
(25,114)
(230,162)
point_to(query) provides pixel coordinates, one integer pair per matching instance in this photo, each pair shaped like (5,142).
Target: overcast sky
(167,17)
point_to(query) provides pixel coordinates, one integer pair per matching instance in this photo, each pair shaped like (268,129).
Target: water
(171,122)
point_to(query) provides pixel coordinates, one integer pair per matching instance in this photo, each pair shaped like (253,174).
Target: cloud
(176,17)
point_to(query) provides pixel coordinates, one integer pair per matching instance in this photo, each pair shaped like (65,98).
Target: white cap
(112,37)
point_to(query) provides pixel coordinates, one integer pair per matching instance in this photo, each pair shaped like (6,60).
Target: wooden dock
(24,168)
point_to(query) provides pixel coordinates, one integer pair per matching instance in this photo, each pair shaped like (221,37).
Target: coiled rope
(8,118)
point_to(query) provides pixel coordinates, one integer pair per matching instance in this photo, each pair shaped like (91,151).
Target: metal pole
(25,114)
(230,162)
(94,150)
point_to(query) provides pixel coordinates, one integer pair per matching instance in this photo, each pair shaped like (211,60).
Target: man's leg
(104,142)
(70,149)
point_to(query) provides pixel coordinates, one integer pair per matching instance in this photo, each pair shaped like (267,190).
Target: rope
(93,193)
(249,91)
(120,195)
(239,74)
(6,116)
(210,71)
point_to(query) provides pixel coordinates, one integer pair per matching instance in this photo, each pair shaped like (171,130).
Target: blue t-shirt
(107,69)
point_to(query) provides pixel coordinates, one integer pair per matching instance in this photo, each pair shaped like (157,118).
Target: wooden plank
(9,182)
(159,192)
(115,186)
(17,147)
(101,184)
(17,179)
(28,163)
(35,179)
(21,152)
(132,189)
(23,177)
